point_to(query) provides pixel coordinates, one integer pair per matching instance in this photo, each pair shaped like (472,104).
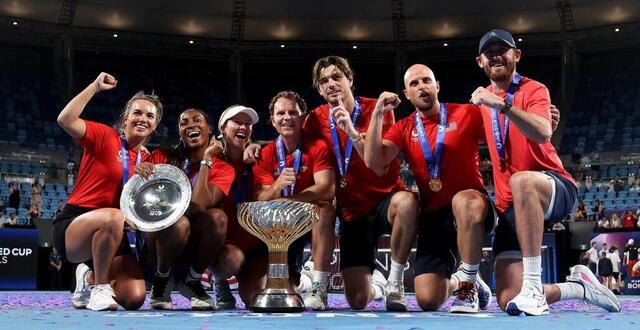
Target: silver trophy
(277,224)
(157,203)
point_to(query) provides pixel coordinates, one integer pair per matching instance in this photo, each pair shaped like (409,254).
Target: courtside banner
(18,258)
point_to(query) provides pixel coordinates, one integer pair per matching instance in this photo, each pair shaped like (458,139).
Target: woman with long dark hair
(199,235)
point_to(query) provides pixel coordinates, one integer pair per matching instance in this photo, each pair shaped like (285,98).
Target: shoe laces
(395,287)
(466,291)
(318,288)
(530,290)
(102,291)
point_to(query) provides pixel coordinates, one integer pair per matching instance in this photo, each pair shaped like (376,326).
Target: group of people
(341,156)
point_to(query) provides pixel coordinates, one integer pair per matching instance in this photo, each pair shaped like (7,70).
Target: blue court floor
(51,310)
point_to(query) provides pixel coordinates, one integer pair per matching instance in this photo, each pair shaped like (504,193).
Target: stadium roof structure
(216,26)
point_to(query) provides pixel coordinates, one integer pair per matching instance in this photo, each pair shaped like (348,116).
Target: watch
(507,106)
(207,163)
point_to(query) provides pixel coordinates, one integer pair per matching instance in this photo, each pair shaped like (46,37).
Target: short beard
(502,77)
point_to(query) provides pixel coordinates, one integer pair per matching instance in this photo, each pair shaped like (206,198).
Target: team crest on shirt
(121,155)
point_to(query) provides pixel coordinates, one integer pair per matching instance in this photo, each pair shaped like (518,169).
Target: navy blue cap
(496,35)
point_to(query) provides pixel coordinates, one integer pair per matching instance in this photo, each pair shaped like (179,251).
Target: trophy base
(277,301)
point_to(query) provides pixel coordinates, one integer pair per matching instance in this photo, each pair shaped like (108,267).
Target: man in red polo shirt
(300,169)
(530,181)
(368,203)
(440,143)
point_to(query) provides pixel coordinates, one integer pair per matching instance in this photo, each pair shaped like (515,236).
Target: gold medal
(435,184)
(343,182)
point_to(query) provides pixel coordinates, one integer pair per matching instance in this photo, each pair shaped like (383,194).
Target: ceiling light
(115,35)
(520,39)
(281,45)
(445,44)
(355,47)
(616,29)
(15,23)
(190,42)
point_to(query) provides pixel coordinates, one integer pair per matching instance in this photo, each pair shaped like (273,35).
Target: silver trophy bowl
(157,203)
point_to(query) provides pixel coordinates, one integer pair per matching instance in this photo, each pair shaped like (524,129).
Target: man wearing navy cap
(531,184)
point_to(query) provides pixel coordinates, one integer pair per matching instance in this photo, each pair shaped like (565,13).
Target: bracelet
(358,138)
(207,163)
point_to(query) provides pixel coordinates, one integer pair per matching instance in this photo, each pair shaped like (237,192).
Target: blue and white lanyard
(432,158)
(500,138)
(297,156)
(343,167)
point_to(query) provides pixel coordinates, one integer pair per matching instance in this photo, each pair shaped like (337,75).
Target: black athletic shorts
(437,250)
(359,237)
(62,222)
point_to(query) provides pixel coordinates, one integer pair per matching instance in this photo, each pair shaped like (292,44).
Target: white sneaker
(466,299)
(306,277)
(394,296)
(102,298)
(594,292)
(379,283)
(317,297)
(530,301)
(81,294)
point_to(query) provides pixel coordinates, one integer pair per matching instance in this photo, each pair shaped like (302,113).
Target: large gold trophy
(277,224)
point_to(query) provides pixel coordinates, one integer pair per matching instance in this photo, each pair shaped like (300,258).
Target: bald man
(440,143)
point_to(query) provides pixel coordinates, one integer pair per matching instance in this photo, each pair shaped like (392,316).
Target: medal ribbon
(432,159)
(186,169)
(124,155)
(500,138)
(336,140)
(282,162)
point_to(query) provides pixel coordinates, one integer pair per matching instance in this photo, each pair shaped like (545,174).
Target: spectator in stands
(580,213)
(635,185)
(36,197)
(615,222)
(2,205)
(616,184)
(614,256)
(576,156)
(628,219)
(32,214)
(603,223)
(630,255)
(593,257)
(3,219)
(597,210)
(588,183)
(13,219)
(60,207)
(605,269)
(14,195)
(55,264)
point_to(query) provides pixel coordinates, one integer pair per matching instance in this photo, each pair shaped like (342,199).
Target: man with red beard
(368,203)
(530,181)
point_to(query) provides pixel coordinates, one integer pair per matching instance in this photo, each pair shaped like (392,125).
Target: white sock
(467,272)
(161,274)
(321,277)
(193,275)
(571,291)
(532,271)
(377,292)
(396,272)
